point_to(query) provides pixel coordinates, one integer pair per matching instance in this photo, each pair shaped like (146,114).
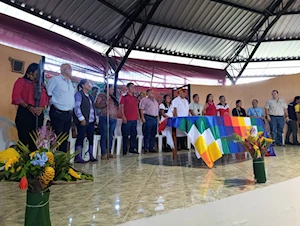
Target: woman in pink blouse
(107,105)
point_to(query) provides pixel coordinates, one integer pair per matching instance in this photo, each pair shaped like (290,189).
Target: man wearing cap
(180,107)
(180,104)
(149,116)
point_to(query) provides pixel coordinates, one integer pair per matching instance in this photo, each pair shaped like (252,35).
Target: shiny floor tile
(133,187)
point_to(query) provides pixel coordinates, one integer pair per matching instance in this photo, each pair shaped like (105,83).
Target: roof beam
(114,8)
(126,25)
(223,2)
(138,35)
(193,31)
(170,26)
(271,8)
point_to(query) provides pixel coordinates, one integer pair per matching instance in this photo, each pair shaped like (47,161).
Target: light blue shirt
(255,112)
(61,92)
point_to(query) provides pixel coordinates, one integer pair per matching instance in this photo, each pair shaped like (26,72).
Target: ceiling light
(41,12)
(32,9)
(23,4)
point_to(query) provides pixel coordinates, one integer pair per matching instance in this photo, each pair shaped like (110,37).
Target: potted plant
(37,171)
(257,145)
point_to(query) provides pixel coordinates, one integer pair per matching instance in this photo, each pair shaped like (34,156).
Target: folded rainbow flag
(209,134)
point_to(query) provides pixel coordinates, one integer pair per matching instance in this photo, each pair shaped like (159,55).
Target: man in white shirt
(276,113)
(196,108)
(180,107)
(61,91)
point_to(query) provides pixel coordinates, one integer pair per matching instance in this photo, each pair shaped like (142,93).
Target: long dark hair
(31,69)
(82,82)
(207,97)
(164,100)
(116,102)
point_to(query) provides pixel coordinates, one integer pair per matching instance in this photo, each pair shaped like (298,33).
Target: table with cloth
(209,134)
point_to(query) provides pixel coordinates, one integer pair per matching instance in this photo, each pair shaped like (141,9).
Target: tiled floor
(134,187)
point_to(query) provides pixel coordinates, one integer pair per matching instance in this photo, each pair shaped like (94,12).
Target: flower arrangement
(38,170)
(254,143)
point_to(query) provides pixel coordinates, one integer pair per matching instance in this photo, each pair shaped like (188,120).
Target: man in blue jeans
(130,115)
(276,113)
(149,114)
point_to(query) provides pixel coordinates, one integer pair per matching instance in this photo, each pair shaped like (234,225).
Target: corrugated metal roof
(180,27)
(184,42)
(207,16)
(287,26)
(280,49)
(89,15)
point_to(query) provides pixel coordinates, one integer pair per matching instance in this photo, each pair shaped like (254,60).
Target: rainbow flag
(209,134)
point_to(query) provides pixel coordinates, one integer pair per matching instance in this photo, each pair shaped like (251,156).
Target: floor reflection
(189,159)
(137,186)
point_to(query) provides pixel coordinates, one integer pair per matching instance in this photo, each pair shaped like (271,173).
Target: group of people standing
(276,113)
(66,106)
(82,108)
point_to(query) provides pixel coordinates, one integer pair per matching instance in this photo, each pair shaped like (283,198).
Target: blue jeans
(81,131)
(276,125)
(103,132)
(129,129)
(150,131)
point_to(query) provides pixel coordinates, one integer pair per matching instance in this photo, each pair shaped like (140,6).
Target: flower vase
(37,209)
(259,170)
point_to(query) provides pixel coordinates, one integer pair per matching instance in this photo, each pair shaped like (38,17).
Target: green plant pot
(259,170)
(37,209)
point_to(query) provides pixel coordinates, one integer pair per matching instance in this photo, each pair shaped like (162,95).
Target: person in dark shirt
(293,111)
(239,111)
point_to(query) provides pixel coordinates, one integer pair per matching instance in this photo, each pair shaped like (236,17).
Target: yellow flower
(260,133)
(7,154)
(12,170)
(48,175)
(32,154)
(255,147)
(74,174)
(10,162)
(6,167)
(268,140)
(50,157)
(19,168)
(258,154)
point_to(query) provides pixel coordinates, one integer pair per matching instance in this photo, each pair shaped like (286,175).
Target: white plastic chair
(96,146)
(5,125)
(140,136)
(85,148)
(117,138)
(72,142)
(160,141)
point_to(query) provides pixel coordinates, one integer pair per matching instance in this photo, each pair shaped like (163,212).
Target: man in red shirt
(130,115)
(222,107)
